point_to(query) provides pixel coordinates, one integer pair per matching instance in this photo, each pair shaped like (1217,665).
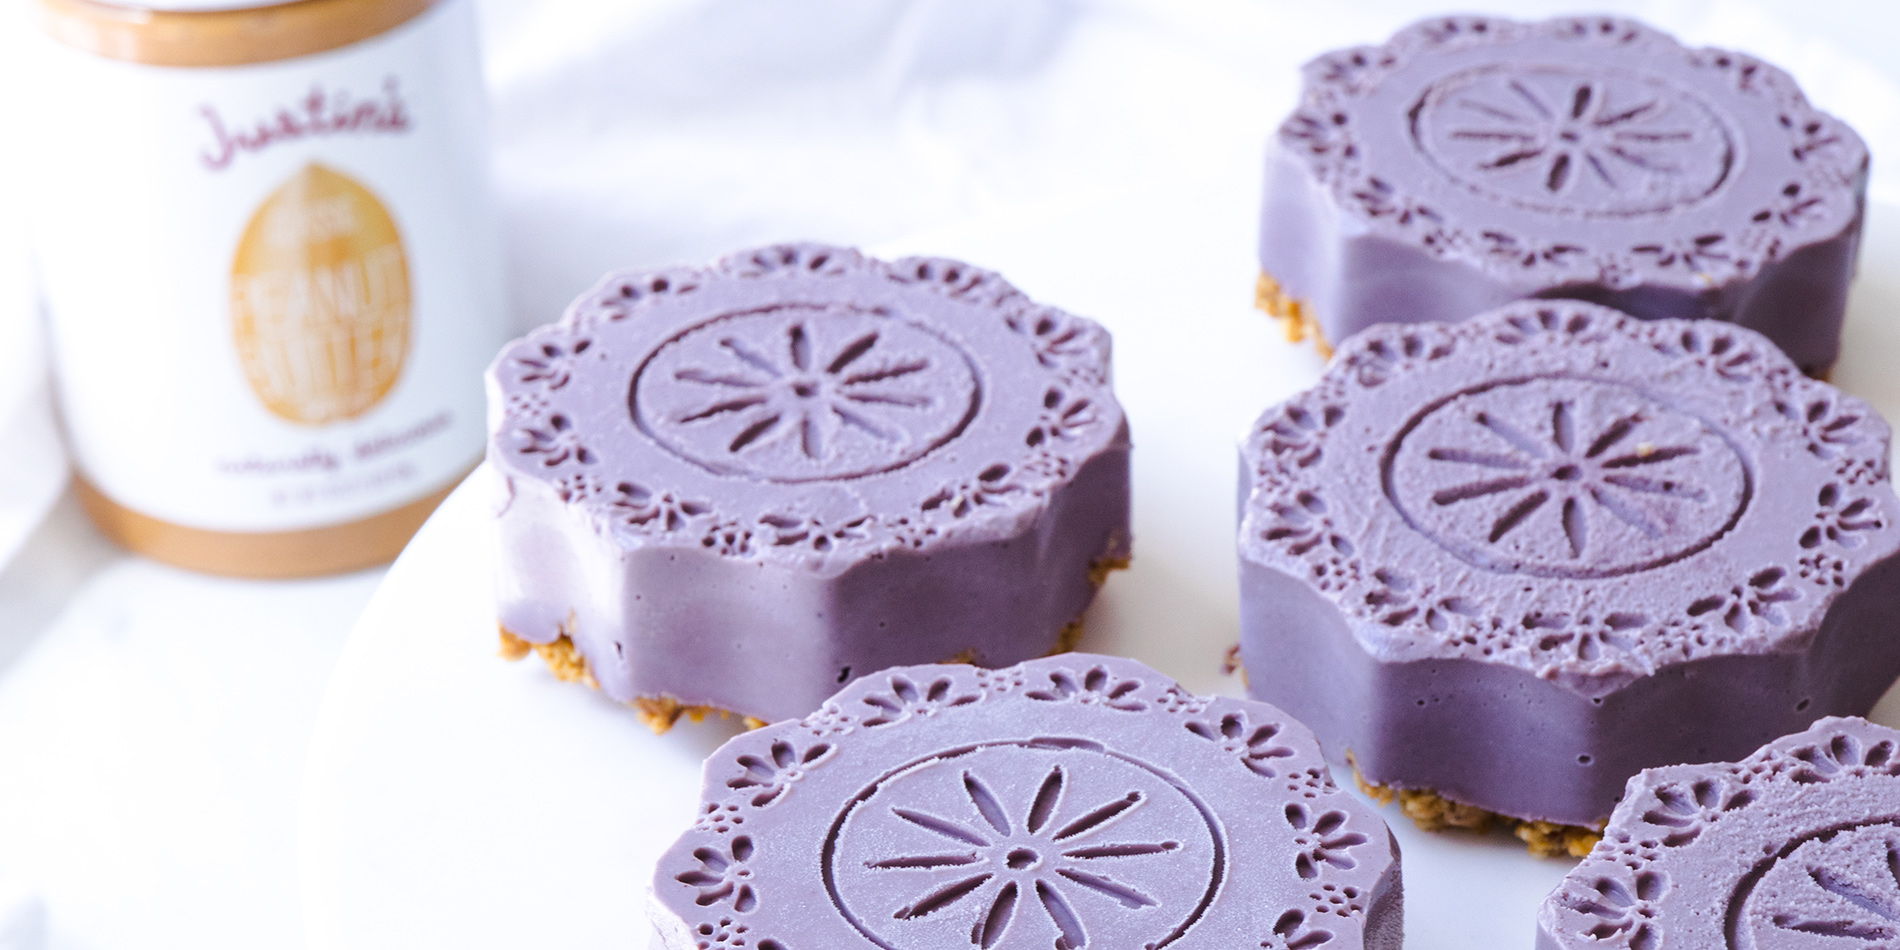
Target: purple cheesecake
(1796,847)
(1518,559)
(736,487)
(1071,802)
(1471,161)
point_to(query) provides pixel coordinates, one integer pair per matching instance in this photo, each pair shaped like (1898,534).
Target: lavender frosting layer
(1520,558)
(1470,161)
(1796,847)
(1076,801)
(741,485)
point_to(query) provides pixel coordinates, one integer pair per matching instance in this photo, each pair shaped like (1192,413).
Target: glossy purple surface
(1796,847)
(1469,161)
(741,485)
(1520,558)
(1076,801)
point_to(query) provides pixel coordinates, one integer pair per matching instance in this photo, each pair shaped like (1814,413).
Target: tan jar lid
(220,37)
(311,552)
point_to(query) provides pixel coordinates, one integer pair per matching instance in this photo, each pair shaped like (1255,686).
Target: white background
(153,724)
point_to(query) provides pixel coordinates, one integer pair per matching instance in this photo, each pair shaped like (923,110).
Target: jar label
(272,288)
(320,299)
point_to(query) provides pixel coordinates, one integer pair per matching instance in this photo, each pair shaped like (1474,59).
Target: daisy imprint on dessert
(1516,560)
(1796,847)
(736,487)
(1073,802)
(1470,161)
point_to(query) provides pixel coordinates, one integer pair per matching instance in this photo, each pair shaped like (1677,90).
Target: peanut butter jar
(265,244)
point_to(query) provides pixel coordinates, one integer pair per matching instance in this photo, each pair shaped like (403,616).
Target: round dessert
(736,487)
(1518,559)
(1070,802)
(1792,848)
(1470,161)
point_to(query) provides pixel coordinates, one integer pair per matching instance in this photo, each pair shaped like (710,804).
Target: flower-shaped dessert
(1796,847)
(1075,801)
(1471,161)
(738,486)
(1518,559)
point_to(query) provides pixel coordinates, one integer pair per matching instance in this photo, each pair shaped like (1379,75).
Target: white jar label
(274,287)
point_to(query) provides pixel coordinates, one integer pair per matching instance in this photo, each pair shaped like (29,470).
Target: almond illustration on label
(320,299)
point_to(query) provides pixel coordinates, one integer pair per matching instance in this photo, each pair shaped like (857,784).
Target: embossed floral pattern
(728,934)
(556,442)
(722,876)
(1568,140)
(1254,744)
(817,387)
(1060,342)
(1303,530)
(1831,427)
(1714,347)
(1399,600)
(636,505)
(815,531)
(1566,477)
(906,699)
(1790,847)
(1553,138)
(1686,808)
(1375,362)
(1544,325)
(551,363)
(1296,432)
(1843,887)
(771,775)
(1094,686)
(718,818)
(1007,859)
(1125,833)
(1668,484)
(1841,520)
(1757,602)
(1322,840)
(990,487)
(800,393)
(1063,417)
(1842,755)
(1623,905)
(1612,638)
(1293,931)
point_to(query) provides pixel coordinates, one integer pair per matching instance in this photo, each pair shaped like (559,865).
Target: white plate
(456,800)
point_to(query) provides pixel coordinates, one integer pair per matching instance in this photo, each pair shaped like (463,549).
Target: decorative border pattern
(707,879)
(1573,630)
(1823,156)
(1078,415)
(1845,774)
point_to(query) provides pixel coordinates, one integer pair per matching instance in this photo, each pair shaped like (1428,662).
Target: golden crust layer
(1295,317)
(567,664)
(1100,569)
(1069,637)
(1433,812)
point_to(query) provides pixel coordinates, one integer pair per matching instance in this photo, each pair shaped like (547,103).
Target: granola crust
(1293,315)
(1102,567)
(1433,812)
(567,664)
